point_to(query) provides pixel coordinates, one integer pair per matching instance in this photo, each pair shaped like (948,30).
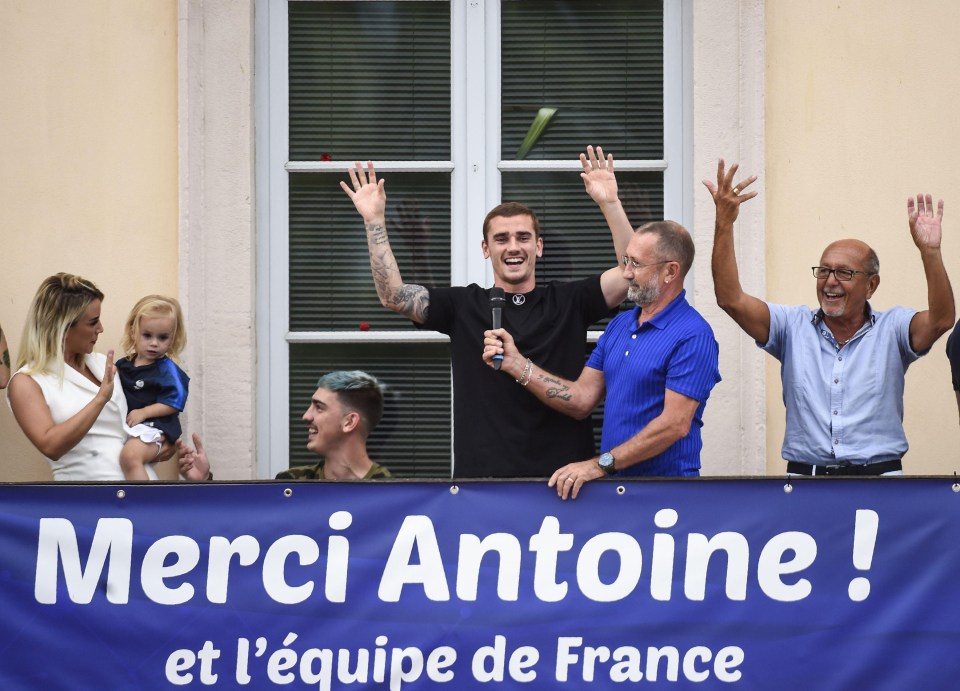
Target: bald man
(843,364)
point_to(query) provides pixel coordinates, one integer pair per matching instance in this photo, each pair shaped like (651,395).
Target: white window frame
(475,169)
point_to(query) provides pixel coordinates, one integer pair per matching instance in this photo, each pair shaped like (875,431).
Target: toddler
(155,387)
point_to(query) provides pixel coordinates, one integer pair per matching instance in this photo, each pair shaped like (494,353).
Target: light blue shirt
(844,405)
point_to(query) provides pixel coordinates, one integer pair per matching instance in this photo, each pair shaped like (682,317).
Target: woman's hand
(106,384)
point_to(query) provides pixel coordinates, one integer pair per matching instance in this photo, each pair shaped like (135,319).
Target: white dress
(97,456)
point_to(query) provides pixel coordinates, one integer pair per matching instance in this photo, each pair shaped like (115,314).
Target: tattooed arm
(369,197)
(574,398)
(4,360)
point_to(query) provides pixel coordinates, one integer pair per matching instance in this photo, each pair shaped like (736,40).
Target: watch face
(607,461)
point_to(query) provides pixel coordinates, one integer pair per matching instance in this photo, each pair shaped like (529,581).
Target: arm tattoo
(413,301)
(561,390)
(377,233)
(410,300)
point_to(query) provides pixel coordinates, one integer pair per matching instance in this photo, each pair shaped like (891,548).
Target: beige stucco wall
(862,99)
(88,164)
(728,92)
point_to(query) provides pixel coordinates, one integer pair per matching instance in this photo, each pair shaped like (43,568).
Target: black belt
(868,469)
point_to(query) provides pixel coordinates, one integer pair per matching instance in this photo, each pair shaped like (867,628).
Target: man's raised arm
(601,184)
(370,199)
(925,227)
(752,314)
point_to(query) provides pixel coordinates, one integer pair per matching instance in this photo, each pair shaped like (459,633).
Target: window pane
(413,438)
(576,239)
(599,63)
(331,287)
(369,80)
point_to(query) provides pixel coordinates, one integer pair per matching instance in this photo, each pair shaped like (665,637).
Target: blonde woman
(63,394)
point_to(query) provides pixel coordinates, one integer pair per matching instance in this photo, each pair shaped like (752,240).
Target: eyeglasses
(636,266)
(841,274)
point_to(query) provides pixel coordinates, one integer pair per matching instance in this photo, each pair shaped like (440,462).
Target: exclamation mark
(864,540)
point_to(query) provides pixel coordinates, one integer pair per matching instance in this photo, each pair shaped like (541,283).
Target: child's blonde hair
(147,308)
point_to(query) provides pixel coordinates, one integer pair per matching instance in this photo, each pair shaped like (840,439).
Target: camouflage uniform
(315,472)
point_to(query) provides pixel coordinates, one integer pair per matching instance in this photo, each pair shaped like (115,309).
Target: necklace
(826,334)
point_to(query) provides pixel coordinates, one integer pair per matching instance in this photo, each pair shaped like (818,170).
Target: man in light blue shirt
(842,365)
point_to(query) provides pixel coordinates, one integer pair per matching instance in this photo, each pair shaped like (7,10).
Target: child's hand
(135,417)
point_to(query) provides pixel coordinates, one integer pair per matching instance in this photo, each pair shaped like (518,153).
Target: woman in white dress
(66,402)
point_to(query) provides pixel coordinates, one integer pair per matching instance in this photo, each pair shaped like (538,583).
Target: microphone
(497,300)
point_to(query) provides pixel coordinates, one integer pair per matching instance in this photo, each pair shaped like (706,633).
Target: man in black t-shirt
(500,431)
(953,354)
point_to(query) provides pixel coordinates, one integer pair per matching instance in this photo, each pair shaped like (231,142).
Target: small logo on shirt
(138,385)
(519,299)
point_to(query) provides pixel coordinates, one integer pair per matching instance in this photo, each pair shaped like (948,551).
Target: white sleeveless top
(97,456)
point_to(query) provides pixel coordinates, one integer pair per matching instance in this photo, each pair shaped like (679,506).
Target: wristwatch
(607,463)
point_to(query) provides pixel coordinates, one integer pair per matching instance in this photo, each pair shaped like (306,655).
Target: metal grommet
(956,487)
(454,489)
(121,493)
(621,489)
(287,492)
(788,488)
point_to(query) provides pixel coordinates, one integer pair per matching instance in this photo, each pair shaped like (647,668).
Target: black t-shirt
(953,353)
(500,429)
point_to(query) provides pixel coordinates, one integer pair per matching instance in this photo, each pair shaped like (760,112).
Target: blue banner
(754,584)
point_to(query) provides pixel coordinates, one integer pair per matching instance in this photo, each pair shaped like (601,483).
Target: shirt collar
(666,315)
(819,316)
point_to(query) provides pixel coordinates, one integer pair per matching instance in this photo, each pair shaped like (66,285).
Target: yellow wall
(862,100)
(88,164)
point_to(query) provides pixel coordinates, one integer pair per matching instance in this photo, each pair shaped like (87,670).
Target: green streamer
(537,127)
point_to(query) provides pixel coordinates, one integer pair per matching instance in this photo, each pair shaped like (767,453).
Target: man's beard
(646,294)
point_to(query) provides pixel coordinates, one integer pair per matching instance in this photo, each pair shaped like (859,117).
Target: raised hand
(598,177)
(925,226)
(366,192)
(106,384)
(729,196)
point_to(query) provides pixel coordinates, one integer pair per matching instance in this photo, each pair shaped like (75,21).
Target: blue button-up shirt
(674,350)
(844,405)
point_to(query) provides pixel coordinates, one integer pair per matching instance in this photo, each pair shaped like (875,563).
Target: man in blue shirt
(657,364)
(842,365)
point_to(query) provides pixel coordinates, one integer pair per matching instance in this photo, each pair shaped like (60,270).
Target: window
(460,105)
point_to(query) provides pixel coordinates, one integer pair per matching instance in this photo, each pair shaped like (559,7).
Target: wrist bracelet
(527,371)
